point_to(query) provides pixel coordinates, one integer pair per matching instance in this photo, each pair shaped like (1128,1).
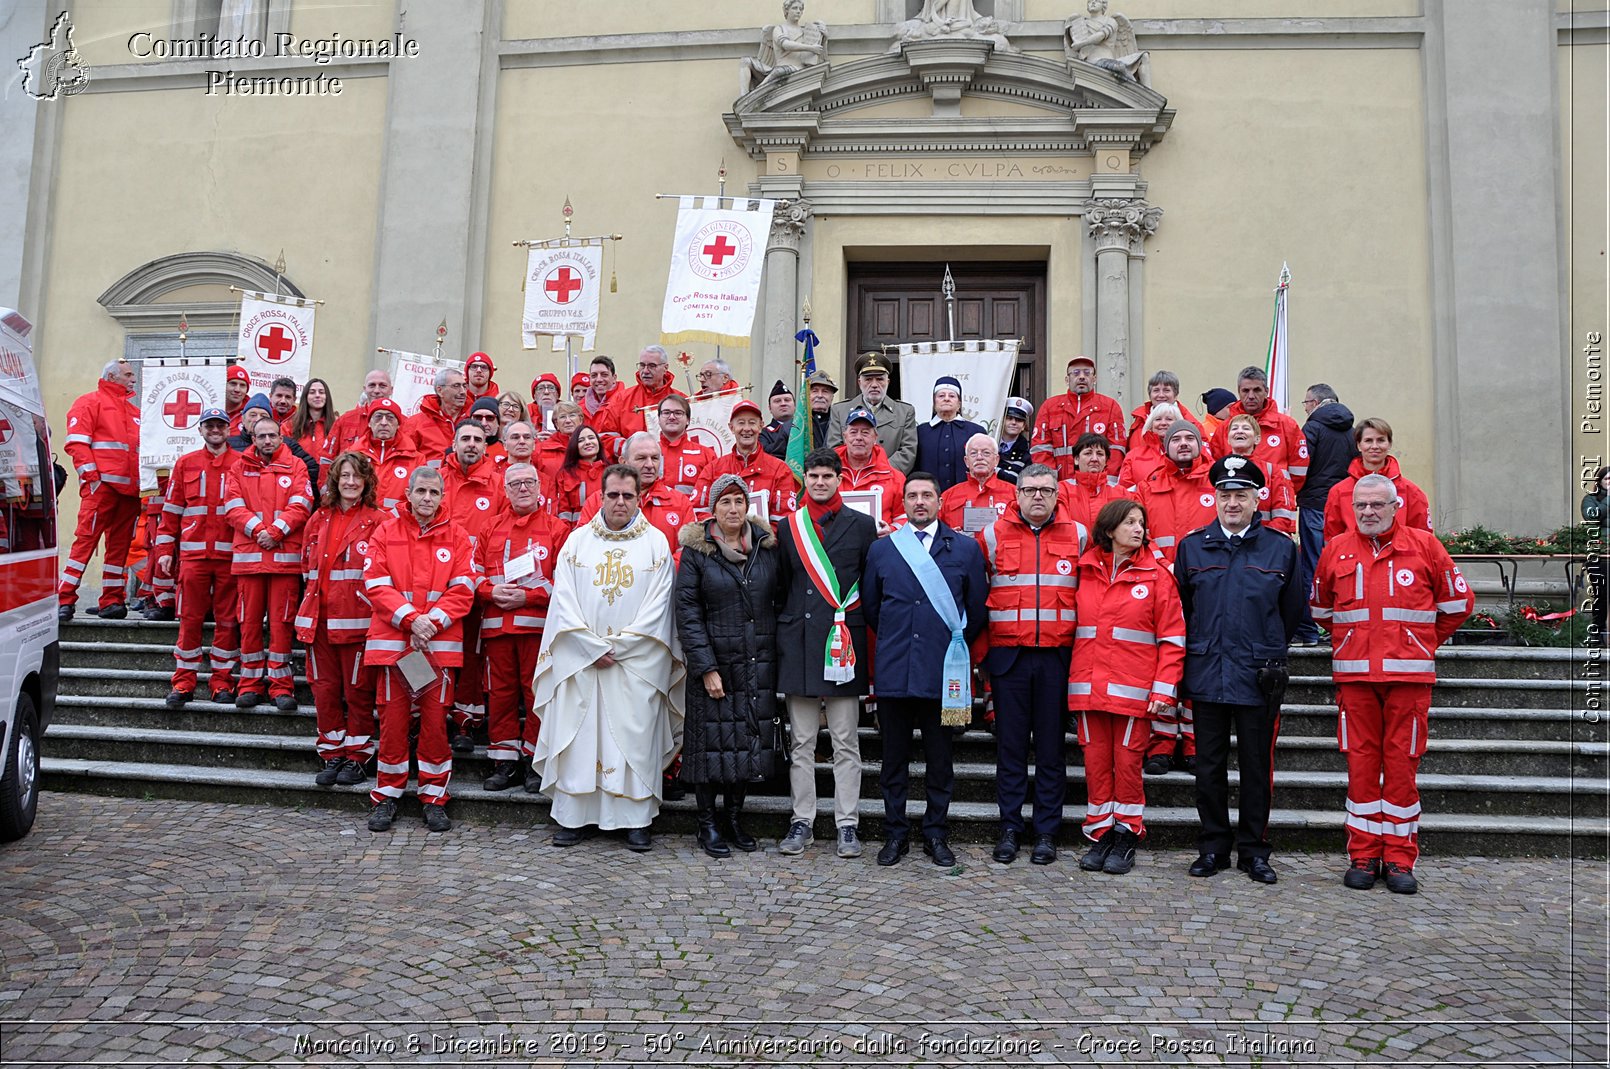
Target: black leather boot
(710,840)
(734,798)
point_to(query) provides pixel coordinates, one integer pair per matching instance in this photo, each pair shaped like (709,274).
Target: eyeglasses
(1037,491)
(522,484)
(620,495)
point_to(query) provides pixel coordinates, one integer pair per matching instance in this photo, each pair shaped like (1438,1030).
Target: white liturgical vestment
(608,734)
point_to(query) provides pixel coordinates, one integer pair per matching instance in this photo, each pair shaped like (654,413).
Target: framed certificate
(867,502)
(757,506)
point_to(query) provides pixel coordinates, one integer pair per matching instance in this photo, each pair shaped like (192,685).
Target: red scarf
(819,512)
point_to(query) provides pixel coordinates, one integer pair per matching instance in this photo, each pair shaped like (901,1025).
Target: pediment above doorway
(948,97)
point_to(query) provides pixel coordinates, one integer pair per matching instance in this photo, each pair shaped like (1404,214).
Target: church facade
(1123,182)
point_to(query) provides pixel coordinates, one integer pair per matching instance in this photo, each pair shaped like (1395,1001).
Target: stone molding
(788,222)
(132,299)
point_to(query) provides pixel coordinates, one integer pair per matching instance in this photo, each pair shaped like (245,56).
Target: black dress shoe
(1157,765)
(571,836)
(223,696)
(1209,865)
(1045,850)
(638,840)
(115,612)
(939,850)
(248,699)
(178,699)
(163,613)
(64,613)
(533,785)
(893,851)
(285,703)
(1257,869)
(1006,849)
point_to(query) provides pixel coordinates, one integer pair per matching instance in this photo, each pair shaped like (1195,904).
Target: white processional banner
(716,263)
(173,395)
(709,422)
(413,378)
(984,368)
(276,339)
(562,287)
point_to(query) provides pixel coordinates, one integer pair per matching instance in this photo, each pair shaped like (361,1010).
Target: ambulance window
(27,487)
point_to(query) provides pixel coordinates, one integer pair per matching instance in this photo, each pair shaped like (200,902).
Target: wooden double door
(894,303)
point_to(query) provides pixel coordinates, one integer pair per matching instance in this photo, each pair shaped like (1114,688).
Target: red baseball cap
(743,406)
(385,404)
(546,376)
(481,358)
(580,378)
(238,374)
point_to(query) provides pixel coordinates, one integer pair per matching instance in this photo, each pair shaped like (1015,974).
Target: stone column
(1116,225)
(779,350)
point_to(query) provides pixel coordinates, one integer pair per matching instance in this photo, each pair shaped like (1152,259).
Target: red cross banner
(173,395)
(561,292)
(276,339)
(716,261)
(413,377)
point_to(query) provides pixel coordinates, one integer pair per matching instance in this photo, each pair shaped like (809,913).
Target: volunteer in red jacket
(625,415)
(429,432)
(282,404)
(756,467)
(473,498)
(515,557)
(103,439)
(1031,555)
(666,509)
(1127,663)
(980,492)
(1282,441)
(420,581)
(392,462)
(867,466)
(683,457)
(1146,452)
(580,383)
(1163,388)
(195,535)
(1374,440)
(1064,420)
(544,395)
(1091,487)
(351,425)
(602,386)
(1390,595)
(333,619)
(237,391)
(478,372)
(267,500)
(580,476)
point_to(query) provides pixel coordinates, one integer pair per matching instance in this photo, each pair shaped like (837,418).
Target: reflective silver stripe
(1351,616)
(403,612)
(117,480)
(391,769)
(287,558)
(252,525)
(1033,579)
(303,621)
(1127,634)
(1358,582)
(530,621)
(1118,690)
(386,645)
(463,581)
(1350,666)
(1451,606)
(1163,540)
(990,541)
(1159,687)
(377,581)
(1319,612)
(1084,632)
(284,527)
(1068,616)
(346,575)
(445,647)
(1002,616)
(1006,616)
(80,439)
(347,623)
(1283,514)
(441,618)
(223,547)
(1412,616)
(234,503)
(1296,470)
(298,499)
(248,558)
(1174,640)
(432,768)
(313,574)
(119,446)
(491,623)
(165,540)
(1078,688)
(1392,665)
(189,547)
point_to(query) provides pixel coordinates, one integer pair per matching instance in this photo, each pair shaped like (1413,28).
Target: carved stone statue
(1107,41)
(951,20)
(785,48)
(241,19)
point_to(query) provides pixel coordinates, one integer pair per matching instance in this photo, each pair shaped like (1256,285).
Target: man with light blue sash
(924,597)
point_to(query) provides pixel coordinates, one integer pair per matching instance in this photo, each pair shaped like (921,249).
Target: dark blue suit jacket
(909,658)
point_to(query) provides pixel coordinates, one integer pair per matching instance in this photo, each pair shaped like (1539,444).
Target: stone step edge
(980,770)
(1474,712)
(1503,824)
(245,740)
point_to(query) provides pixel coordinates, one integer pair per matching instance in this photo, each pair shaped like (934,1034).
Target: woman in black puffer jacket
(728,629)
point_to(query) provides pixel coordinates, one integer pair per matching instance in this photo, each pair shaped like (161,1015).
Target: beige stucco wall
(102,28)
(1267,162)
(149,174)
(544,18)
(1228,9)
(1584,72)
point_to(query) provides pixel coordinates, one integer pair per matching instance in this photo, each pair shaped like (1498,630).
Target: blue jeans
(1311,531)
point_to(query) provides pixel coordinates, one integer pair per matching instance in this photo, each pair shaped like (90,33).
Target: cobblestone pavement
(156,933)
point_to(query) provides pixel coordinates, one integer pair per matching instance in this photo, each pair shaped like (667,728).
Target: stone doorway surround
(952,143)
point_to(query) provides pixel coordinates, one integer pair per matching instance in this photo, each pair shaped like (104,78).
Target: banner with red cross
(561,293)
(276,339)
(173,395)
(716,262)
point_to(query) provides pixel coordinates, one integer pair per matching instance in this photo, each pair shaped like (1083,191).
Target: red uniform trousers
(396,709)
(1115,747)
(469,690)
(1178,728)
(272,598)
(511,663)
(344,696)
(164,590)
(207,585)
(1382,728)
(103,514)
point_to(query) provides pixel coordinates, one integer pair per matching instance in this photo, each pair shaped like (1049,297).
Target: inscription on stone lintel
(943,169)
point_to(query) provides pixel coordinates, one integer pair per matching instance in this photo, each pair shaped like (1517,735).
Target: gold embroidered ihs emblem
(613,575)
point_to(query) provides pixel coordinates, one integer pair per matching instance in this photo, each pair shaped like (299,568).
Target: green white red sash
(838,664)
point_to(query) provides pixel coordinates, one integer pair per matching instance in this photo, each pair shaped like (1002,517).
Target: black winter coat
(803,618)
(1014,460)
(726,622)
(1329,432)
(1242,604)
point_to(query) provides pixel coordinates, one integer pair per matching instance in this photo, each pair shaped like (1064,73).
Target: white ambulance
(30,655)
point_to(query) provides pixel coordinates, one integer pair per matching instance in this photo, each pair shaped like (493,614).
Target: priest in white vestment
(609,680)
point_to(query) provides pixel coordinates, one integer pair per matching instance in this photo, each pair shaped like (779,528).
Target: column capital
(1121,224)
(788,222)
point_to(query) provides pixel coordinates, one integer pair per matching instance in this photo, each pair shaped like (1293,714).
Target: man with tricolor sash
(822,658)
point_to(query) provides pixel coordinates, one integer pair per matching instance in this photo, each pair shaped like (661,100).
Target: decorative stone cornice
(133,299)
(788,223)
(1120,224)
